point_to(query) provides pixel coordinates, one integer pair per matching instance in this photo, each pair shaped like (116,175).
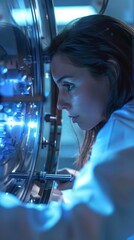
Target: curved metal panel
(27,100)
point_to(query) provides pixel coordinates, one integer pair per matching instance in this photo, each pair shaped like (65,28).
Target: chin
(86,127)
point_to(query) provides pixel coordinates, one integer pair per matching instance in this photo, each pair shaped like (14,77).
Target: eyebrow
(64,77)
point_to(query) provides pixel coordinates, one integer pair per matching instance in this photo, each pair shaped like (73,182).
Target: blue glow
(14,123)
(66,14)
(62,14)
(22,16)
(35,134)
(1,143)
(3,70)
(32,124)
(23,78)
(11,123)
(7,200)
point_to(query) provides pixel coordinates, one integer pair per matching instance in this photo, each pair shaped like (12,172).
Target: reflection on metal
(28,111)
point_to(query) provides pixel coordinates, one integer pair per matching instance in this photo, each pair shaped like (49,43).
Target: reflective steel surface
(26,28)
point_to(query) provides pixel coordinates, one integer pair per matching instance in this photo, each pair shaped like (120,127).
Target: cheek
(88,103)
(82,102)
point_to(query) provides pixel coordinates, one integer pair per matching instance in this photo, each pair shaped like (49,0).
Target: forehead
(59,58)
(61,65)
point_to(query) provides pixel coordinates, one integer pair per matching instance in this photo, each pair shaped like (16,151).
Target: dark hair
(103,44)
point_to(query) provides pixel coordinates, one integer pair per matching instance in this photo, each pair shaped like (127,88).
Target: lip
(74,118)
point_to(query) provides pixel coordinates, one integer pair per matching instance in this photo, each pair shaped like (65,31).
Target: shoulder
(121,119)
(118,133)
(125,113)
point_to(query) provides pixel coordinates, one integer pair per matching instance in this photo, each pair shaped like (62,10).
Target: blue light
(32,124)
(3,70)
(66,14)
(14,123)
(62,14)
(22,16)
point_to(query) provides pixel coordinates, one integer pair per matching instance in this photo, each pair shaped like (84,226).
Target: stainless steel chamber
(30,125)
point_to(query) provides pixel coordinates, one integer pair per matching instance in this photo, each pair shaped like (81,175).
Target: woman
(92,65)
(100,49)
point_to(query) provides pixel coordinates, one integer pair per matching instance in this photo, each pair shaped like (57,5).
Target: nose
(63,102)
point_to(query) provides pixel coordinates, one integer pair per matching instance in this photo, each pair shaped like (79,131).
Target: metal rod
(43,176)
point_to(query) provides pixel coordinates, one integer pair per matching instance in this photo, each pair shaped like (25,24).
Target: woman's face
(84,97)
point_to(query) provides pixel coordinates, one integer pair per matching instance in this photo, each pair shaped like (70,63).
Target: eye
(68,86)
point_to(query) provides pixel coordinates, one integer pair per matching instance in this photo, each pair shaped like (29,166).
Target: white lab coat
(101,204)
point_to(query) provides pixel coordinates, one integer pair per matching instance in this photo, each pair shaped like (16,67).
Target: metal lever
(43,176)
